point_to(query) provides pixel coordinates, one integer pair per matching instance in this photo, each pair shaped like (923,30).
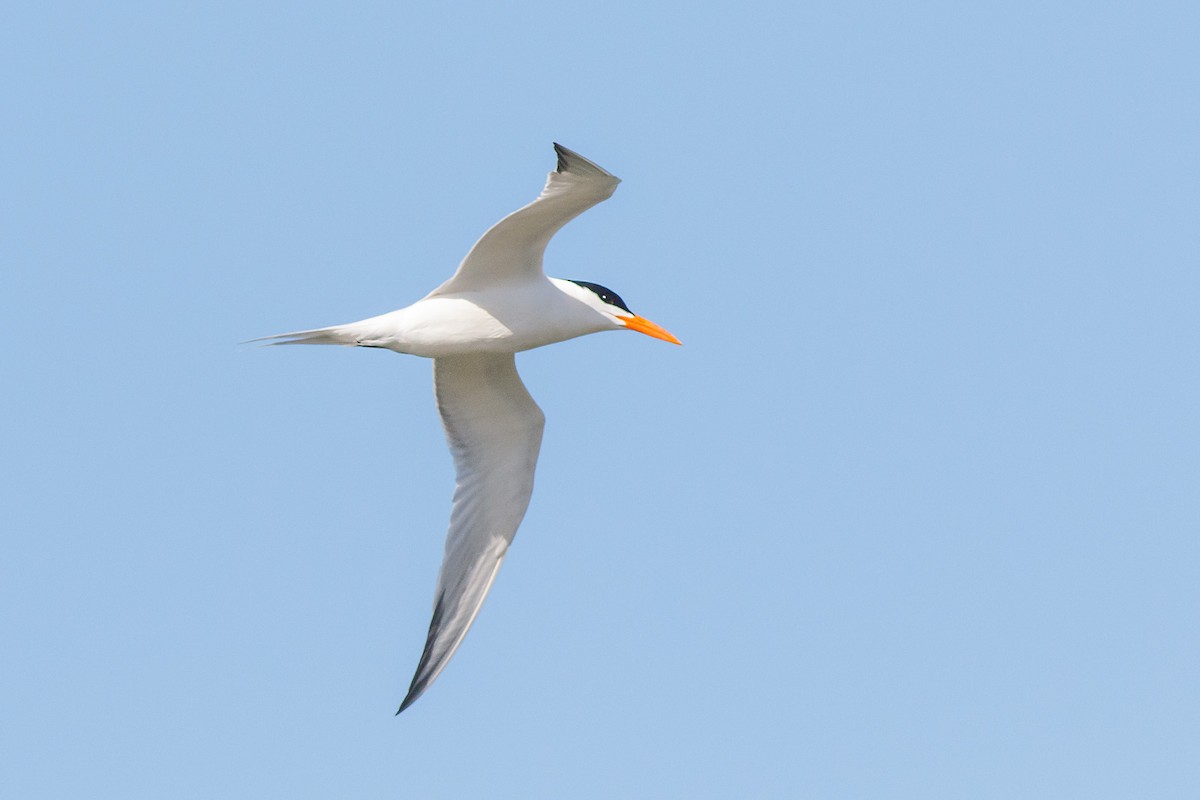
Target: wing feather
(494,429)
(512,249)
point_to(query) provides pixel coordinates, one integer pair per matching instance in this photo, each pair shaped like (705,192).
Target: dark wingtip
(414,691)
(408,701)
(572,162)
(419,685)
(421,681)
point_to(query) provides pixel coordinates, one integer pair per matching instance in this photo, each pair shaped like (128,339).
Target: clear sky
(913,513)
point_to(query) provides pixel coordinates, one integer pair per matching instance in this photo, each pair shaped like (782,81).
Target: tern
(498,303)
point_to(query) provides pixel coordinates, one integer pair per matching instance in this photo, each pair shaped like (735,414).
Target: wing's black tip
(418,687)
(422,678)
(572,162)
(409,699)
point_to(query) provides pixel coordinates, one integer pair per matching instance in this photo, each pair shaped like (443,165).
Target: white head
(609,305)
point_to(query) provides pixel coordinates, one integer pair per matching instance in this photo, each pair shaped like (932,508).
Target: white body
(509,318)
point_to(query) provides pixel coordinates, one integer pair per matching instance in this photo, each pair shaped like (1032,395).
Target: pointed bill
(643,325)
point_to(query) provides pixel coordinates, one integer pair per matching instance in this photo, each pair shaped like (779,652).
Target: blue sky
(912,513)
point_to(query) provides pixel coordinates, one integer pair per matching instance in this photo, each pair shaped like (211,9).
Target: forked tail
(336,334)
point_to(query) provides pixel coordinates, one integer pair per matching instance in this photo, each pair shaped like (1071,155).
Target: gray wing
(495,432)
(512,249)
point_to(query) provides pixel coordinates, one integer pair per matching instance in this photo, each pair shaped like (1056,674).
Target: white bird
(498,303)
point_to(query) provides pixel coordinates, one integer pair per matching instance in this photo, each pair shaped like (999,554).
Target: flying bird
(498,303)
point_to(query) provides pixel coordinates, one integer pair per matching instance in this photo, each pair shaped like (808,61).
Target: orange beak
(643,325)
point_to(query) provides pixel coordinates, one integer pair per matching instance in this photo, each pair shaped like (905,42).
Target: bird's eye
(605,294)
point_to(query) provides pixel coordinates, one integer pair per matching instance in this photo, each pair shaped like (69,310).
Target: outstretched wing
(495,431)
(512,248)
